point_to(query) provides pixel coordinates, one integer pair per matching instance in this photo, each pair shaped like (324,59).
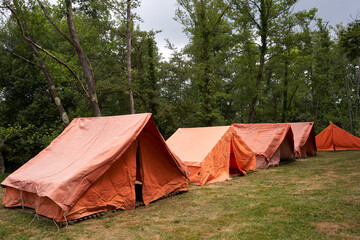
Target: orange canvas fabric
(304,139)
(206,152)
(271,142)
(91,167)
(334,138)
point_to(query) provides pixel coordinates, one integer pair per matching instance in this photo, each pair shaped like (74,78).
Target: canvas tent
(207,152)
(271,142)
(304,138)
(334,138)
(92,167)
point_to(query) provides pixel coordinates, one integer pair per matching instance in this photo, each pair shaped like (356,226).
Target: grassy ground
(313,198)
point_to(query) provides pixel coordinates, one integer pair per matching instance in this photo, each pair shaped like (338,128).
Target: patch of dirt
(95,228)
(331,227)
(351,199)
(216,185)
(278,210)
(348,236)
(254,204)
(310,184)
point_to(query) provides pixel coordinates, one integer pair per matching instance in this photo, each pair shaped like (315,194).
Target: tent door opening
(139,179)
(286,154)
(233,167)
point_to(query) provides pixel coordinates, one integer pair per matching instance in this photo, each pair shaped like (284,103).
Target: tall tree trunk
(24,29)
(2,164)
(285,94)
(205,84)
(128,47)
(334,101)
(357,99)
(263,49)
(348,103)
(54,94)
(306,99)
(275,108)
(313,98)
(258,82)
(316,109)
(88,74)
(292,97)
(152,77)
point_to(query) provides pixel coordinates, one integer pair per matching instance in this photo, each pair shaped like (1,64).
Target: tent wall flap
(215,166)
(243,154)
(304,139)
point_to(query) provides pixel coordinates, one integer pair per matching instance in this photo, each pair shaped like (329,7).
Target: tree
(83,59)
(285,59)
(24,30)
(128,47)
(145,62)
(205,24)
(263,15)
(177,104)
(350,41)
(2,162)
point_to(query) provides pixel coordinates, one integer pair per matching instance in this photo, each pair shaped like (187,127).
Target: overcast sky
(159,15)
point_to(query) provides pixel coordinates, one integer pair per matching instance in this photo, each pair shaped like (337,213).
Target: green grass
(312,198)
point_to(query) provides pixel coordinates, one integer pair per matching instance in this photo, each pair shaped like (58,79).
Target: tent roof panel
(263,138)
(192,145)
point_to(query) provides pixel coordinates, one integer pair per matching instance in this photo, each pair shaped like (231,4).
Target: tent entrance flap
(233,166)
(139,178)
(234,169)
(286,153)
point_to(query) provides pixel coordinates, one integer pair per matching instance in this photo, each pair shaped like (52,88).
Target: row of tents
(106,163)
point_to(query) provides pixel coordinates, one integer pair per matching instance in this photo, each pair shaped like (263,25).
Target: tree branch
(219,19)
(188,10)
(280,12)
(292,96)
(248,12)
(53,23)
(21,57)
(45,51)
(255,4)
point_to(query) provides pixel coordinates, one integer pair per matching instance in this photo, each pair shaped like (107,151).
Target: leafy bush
(23,143)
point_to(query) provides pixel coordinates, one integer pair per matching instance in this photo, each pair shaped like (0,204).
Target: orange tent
(207,153)
(304,139)
(271,142)
(92,167)
(334,138)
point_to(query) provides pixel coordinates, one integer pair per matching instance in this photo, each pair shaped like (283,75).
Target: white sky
(159,15)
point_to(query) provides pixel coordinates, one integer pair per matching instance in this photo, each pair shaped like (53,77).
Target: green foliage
(176,105)
(22,143)
(350,39)
(3,176)
(209,33)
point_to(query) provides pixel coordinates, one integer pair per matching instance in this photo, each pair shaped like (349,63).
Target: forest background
(246,61)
